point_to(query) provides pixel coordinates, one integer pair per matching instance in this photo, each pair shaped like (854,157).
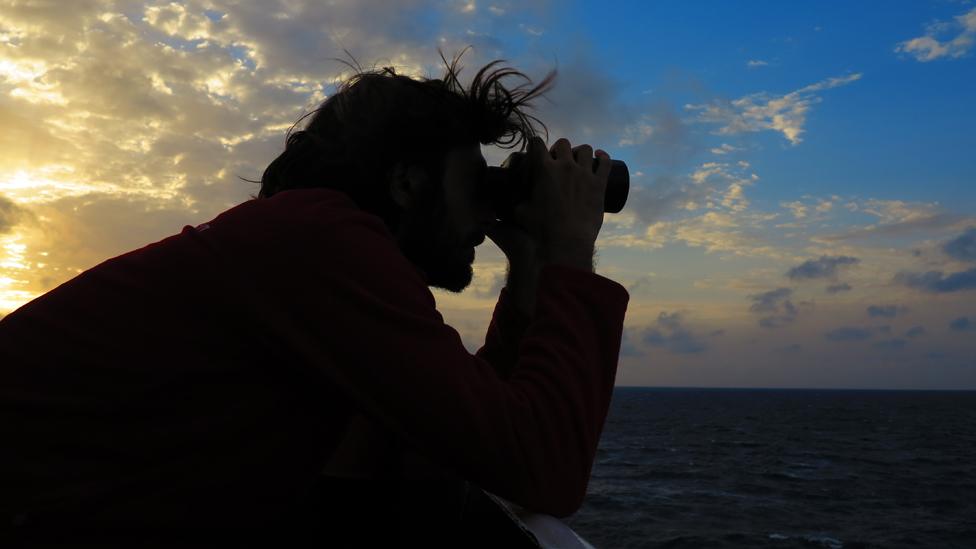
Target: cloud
(848,333)
(776,307)
(586,105)
(963,247)
(838,288)
(670,333)
(891,344)
(627,347)
(825,267)
(786,114)
(725,148)
(884,311)
(10,214)
(797,208)
(639,284)
(666,196)
(490,280)
(897,218)
(712,185)
(938,281)
(735,233)
(915,331)
(725,225)
(962,324)
(753,63)
(929,48)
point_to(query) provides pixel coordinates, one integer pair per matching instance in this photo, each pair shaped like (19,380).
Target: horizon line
(687,387)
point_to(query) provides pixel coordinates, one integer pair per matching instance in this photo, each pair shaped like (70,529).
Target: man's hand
(523,263)
(525,251)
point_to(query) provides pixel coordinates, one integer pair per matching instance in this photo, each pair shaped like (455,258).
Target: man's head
(443,221)
(407,150)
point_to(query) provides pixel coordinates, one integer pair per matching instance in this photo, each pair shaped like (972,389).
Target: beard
(424,241)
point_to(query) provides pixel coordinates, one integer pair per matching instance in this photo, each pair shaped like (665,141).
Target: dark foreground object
(339,513)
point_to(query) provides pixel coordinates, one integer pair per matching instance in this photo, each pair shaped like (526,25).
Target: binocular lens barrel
(507,185)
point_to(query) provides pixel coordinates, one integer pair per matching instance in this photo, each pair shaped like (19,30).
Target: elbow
(560,503)
(564,510)
(568,505)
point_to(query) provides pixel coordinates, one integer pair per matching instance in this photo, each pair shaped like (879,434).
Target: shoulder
(309,212)
(322,207)
(325,225)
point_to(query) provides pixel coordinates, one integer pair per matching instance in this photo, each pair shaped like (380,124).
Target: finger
(603,168)
(584,156)
(561,149)
(535,155)
(537,147)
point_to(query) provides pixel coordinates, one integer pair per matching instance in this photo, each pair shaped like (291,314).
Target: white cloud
(725,148)
(897,218)
(636,133)
(752,63)
(797,208)
(786,114)
(928,47)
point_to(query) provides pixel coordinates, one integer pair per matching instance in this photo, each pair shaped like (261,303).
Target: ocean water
(783,468)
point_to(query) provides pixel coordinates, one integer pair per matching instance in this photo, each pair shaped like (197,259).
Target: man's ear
(407,183)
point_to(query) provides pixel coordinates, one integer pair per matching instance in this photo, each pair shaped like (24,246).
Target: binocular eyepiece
(508,185)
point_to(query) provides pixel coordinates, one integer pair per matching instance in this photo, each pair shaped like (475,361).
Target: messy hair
(379,117)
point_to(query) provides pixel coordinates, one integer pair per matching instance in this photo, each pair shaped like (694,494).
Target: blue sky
(802,211)
(905,122)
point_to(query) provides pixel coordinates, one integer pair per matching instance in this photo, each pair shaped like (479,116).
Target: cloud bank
(928,47)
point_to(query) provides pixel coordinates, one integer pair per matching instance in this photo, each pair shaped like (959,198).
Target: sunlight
(27,84)
(13,262)
(24,187)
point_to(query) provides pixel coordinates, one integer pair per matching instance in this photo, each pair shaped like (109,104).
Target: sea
(758,468)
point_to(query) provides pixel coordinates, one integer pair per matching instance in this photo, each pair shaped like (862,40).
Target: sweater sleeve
(505,332)
(361,315)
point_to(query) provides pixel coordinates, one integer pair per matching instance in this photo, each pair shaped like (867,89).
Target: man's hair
(379,117)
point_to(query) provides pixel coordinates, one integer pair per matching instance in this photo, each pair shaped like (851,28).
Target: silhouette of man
(208,382)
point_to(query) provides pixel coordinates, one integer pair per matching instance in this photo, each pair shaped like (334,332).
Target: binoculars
(507,185)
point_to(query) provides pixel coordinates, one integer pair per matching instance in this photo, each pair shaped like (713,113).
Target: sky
(802,209)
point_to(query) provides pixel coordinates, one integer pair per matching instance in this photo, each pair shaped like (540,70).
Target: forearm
(522,282)
(523,275)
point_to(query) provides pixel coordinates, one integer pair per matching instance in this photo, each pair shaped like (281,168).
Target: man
(209,380)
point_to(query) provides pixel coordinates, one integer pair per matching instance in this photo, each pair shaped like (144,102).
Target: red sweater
(206,378)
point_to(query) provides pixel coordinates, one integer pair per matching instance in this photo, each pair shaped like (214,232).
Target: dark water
(784,468)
